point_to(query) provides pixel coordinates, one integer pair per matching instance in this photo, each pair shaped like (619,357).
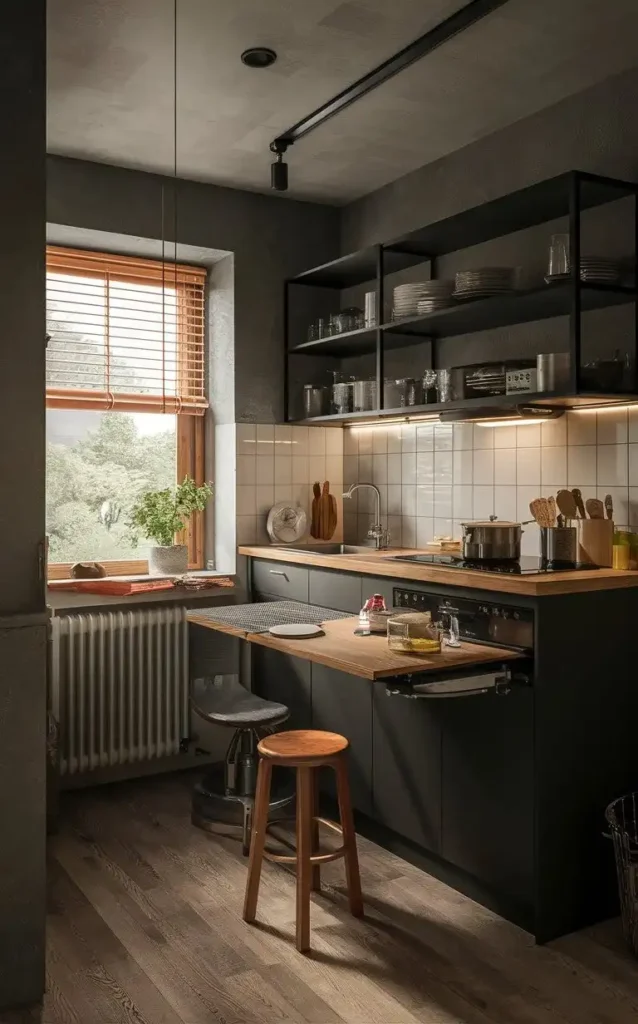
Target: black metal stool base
(213,806)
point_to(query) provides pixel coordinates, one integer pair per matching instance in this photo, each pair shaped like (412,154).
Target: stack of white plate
(599,268)
(421,297)
(594,270)
(484,282)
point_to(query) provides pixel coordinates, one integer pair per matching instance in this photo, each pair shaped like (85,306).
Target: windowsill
(60,601)
(140,577)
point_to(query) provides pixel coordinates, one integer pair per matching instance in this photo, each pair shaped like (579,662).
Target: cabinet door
(338,590)
(343,703)
(406,766)
(282,580)
(488,807)
(282,678)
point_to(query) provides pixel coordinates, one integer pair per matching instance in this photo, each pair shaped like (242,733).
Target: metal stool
(226,793)
(304,750)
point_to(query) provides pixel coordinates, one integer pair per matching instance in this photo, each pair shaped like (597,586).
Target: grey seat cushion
(225,701)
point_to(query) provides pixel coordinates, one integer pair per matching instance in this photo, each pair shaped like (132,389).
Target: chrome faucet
(377,532)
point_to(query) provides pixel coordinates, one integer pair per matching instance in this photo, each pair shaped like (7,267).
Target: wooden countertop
(381,563)
(368,657)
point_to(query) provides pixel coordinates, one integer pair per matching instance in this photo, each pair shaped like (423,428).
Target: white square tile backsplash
(434,476)
(446,474)
(281,463)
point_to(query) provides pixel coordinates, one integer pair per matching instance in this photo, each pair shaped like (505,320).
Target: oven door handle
(499,683)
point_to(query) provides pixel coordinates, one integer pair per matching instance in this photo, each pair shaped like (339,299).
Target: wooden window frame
(190,430)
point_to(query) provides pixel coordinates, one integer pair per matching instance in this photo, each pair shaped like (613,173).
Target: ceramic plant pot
(168,561)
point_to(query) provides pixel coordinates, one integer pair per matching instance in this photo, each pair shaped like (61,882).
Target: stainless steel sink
(330,549)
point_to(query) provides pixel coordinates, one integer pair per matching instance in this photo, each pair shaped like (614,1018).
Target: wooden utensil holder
(595,541)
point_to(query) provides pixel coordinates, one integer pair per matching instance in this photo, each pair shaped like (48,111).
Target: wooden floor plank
(145,928)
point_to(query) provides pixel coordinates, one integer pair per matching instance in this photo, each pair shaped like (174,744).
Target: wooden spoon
(578,498)
(566,504)
(595,508)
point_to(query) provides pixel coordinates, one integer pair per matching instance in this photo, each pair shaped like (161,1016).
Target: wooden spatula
(609,506)
(540,509)
(578,498)
(595,508)
(551,503)
(566,504)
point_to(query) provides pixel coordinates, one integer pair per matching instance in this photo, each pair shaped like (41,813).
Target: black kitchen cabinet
(343,703)
(406,766)
(487,790)
(285,679)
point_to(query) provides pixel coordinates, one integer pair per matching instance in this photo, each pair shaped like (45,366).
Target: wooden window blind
(125,333)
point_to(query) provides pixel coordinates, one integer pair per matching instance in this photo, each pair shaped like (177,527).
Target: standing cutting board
(324,512)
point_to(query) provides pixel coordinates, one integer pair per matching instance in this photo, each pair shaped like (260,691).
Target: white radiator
(119,686)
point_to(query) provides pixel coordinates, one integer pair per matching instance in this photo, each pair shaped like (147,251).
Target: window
(125,400)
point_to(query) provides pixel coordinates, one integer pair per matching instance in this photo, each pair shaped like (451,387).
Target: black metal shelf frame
(567,194)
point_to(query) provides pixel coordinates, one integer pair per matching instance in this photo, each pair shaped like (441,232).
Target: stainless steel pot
(492,541)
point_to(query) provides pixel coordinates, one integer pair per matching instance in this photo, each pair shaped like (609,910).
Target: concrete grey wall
(271,239)
(22,636)
(592,131)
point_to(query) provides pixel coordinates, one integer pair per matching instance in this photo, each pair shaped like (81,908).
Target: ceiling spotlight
(258,57)
(279,169)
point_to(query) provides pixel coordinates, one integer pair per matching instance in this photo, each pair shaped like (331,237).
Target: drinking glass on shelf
(443,385)
(430,393)
(558,264)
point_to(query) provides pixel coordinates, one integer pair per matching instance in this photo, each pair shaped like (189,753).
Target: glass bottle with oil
(414,633)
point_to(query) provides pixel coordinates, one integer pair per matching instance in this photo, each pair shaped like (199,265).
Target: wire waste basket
(622,818)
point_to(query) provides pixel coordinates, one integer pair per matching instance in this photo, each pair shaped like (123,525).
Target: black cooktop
(526,565)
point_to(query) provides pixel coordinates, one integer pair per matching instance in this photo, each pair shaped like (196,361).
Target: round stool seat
(233,705)
(302,745)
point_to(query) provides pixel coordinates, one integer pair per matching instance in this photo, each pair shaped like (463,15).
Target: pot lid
(491,522)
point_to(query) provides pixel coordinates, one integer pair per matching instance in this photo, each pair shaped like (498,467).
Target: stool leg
(258,838)
(305,808)
(353,880)
(315,876)
(246,828)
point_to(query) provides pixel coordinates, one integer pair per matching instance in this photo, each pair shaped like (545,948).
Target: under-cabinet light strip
(391,422)
(607,408)
(522,422)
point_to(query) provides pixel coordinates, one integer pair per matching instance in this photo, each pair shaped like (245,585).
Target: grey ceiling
(111,82)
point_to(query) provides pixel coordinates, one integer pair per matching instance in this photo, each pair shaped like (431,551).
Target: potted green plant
(159,515)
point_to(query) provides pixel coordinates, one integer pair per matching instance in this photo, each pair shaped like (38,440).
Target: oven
(501,625)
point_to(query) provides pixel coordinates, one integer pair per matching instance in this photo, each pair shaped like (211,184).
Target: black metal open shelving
(567,195)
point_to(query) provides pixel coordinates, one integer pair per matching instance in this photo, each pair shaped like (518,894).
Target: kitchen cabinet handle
(499,686)
(277,572)
(442,695)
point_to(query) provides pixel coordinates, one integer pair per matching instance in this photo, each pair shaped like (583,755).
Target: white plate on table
(295,631)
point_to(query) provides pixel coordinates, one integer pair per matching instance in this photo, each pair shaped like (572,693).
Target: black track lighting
(279,169)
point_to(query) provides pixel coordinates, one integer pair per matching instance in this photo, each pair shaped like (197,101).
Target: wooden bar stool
(305,750)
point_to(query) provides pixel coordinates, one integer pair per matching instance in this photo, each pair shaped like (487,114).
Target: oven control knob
(516,615)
